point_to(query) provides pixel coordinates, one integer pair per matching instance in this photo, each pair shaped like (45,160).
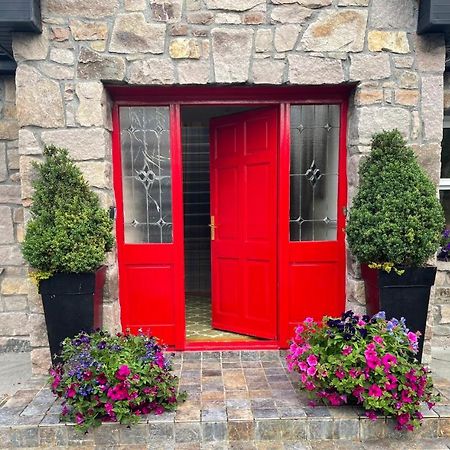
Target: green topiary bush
(396,218)
(68,231)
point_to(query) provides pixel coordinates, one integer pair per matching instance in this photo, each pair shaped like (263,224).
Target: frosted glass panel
(146,174)
(314,172)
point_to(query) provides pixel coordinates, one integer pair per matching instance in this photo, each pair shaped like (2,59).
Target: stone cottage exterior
(67,79)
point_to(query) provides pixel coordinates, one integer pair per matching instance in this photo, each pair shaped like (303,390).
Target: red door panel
(244,205)
(151,273)
(311,273)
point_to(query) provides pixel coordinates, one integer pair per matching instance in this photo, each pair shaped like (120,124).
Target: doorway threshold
(235,345)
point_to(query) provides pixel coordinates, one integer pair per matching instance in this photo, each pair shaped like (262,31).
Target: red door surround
(291,280)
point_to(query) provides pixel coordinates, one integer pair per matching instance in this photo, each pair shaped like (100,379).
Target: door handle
(213,227)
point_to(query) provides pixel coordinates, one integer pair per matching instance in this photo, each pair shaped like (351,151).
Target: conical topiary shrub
(396,218)
(68,232)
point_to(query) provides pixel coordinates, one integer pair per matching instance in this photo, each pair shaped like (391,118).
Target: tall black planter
(72,303)
(405,295)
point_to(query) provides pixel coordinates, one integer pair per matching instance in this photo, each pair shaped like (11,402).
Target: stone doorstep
(235,397)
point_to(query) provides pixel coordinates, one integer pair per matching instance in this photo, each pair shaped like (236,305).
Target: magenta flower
(378,340)
(340,373)
(71,392)
(303,366)
(372,415)
(388,360)
(118,392)
(358,392)
(412,337)
(159,410)
(312,360)
(309,320)
(375,391)
(347,350)
(122,372)
(300,329)
(79,418)
(311,371)
(310,386)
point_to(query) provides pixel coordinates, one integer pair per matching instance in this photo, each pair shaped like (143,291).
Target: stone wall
(14,331)
(86,44)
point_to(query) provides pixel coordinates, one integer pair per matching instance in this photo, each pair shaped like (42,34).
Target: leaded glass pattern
(146,174)
(314,172)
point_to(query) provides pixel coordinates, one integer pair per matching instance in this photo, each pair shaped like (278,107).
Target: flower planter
(72,303)
(405,295)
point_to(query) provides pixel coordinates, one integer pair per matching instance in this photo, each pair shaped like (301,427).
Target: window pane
(146,174)
(445,155)
(314,172)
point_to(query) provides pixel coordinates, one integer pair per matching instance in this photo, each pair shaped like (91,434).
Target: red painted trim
(117,183)
(178,223)
(216,95)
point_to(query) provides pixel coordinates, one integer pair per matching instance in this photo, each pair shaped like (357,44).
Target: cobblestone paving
(236,400)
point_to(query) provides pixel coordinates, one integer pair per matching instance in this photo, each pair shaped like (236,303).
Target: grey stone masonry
(14,308)
(87,44)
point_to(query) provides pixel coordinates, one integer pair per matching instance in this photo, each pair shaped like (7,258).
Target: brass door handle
(213,227)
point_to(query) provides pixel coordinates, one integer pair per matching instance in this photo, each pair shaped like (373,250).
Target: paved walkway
(236,400)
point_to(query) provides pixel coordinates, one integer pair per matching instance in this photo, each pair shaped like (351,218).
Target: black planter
(72,303)
(405,295)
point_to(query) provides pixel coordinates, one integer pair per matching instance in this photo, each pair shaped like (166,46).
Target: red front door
(244,222)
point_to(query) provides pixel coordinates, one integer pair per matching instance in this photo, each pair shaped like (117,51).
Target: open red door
(244,222)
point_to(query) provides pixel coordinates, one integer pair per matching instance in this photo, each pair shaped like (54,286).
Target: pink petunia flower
(123,372)
(375,391)
(311,371)
(340,373)
(388,360)
(309,320)
(312,360)
(347,350)
(378,340)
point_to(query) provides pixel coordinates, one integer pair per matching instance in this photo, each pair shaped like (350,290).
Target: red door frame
(175,97)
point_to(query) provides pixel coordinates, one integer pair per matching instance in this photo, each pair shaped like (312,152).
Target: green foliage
(68,231)
(396,217)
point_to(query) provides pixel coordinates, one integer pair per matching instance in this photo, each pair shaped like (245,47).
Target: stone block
(392,41)
(137,434)
(13,158)
(254,18)
(3,163)
(200,17)
(241,431)
(88,31)
(193,72)
(407,97)
(369,96)
(151,71)
(31,46)
(59,34)
(307,3)
(187,433)
(353,2)
(56,71)
(92,65)
(376,119)
(9,130)
(14,286)
(53,436)
(39,100)
(166,10)
(233,5)
(444,314)
(403,62)
(62,56)
(336,30)
(28,175)
(268,71)
(370,67)
(38,330)
(286,37)
(263,40)
(90,108)
(16,303)
(228,18)
(28,144)
(111,317)
(96,173)
(355,291)
(40,361)
(314,70)
(14,323)
(184,48)
(24,436)
(430,52)
(132,34)
(135,5)
(6,226)
(231,52)
(394,14)
(11,253)
(90,9)
(290,14)
(432,101)
(83,144)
